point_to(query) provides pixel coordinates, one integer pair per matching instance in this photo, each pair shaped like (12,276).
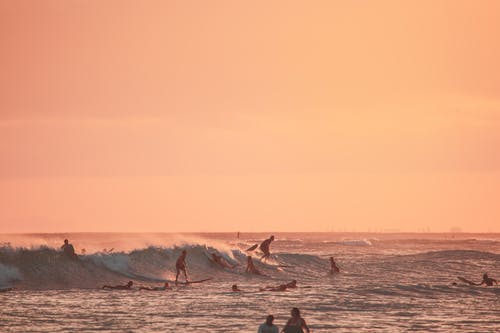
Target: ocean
(387,283)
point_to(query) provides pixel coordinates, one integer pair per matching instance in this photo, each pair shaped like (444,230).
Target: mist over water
(388,282)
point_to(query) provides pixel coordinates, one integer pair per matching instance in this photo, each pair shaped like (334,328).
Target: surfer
(282,287)
(296,324)
(180,265)
(221,261)
(333,266)
(128,286)
(69,250)
(268,326)
(251,267)
(488,281)
(234,288)
(264,247)
(166,286)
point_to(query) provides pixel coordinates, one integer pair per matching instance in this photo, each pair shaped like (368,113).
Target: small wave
(355,242)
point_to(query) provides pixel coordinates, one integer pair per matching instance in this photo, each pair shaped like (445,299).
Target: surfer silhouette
(128,286)
(251,267)
(296,324)
(69,250)
(268,326)
(488,281)
(264,247)
(180,265)
(333,266)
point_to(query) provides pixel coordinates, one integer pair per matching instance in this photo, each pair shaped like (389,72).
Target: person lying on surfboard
(180,265)
(264,247)
(166,286)
(282,287)
(251,267)
(333,266)
(128,286)
(221,261)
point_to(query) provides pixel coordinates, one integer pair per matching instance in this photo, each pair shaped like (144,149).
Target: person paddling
(128,286)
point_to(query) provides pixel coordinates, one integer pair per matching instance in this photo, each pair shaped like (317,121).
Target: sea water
(388,283)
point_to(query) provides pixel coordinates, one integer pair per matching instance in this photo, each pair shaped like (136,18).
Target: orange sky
(251,116)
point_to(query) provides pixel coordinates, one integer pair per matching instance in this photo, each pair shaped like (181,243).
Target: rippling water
(390,283)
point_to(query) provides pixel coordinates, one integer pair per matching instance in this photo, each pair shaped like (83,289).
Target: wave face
(394,264)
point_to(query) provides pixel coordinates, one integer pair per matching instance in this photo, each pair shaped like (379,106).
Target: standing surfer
(180,265)
(264,247)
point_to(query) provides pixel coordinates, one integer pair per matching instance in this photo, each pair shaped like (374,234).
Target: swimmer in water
(235,289)
(268,326)
(128,286)
(296,324)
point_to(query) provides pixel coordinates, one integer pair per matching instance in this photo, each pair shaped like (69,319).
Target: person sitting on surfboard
(69,250)
(128,286)
(251,267)
(488,281)
(333,266)
(264,247)
(166,286)
(180,265)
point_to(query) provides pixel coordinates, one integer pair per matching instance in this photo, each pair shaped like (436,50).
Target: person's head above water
(269,320)
(130,283)
(485,275)
(272,237)
(184,252)
(249,258)
(296,313)
(234,287)
(65,241)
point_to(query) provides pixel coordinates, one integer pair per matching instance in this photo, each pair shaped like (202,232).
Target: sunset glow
(171,116)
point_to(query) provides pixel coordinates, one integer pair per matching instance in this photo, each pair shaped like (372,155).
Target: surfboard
(253,247)
(197,281)
(466,281)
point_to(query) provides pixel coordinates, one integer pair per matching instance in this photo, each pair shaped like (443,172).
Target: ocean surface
(388,283)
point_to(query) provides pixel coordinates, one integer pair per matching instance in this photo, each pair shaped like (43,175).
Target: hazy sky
(249,115)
